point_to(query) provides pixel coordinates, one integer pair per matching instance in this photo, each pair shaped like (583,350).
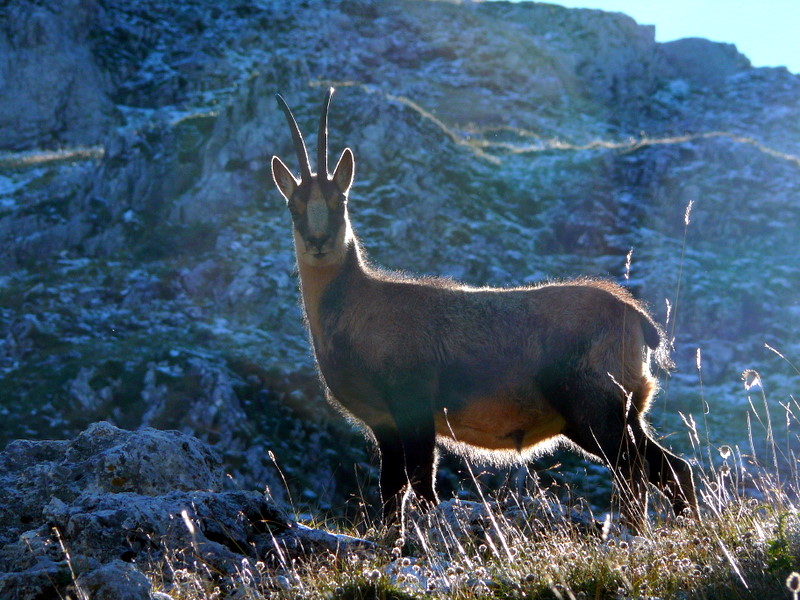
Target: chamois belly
(499,423)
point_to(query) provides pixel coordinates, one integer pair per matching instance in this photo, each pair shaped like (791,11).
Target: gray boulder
(116,580)
(102,459)
(95,514)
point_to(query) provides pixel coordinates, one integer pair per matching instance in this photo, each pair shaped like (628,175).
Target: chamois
(502,373)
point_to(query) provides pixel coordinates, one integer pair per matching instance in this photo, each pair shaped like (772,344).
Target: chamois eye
(294,211)
(337,207)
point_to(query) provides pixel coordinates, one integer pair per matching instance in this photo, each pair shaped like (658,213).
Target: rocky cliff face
(146,267)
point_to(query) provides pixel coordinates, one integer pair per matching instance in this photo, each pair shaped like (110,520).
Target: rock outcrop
(90,514)
(53,92)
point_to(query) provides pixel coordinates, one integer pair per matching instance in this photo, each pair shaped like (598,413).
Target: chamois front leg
(418,436)
(410,402)
(408,459)
(673,475)
(408,450)
(392,472)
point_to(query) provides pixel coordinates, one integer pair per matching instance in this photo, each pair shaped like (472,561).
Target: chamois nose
(318,241)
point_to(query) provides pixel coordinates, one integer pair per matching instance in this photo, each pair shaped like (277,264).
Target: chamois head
(317,201)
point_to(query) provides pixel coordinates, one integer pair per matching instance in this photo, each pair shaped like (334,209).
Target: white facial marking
(317,215)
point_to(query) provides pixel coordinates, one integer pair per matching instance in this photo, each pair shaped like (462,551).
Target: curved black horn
(322,137)
(297,138)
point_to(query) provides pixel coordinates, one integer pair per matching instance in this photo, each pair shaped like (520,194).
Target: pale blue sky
(766,31)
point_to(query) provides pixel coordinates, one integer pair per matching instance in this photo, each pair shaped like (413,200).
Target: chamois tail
(656,340)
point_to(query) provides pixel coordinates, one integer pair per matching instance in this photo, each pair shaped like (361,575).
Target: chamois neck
(315,279)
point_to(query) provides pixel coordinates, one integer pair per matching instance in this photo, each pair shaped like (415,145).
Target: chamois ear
(343,174)
(286,182)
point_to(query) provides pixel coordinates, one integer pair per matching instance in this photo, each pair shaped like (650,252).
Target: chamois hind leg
(600,425)
(673,475)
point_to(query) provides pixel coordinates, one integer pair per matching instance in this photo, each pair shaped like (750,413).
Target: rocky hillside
(146,269)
